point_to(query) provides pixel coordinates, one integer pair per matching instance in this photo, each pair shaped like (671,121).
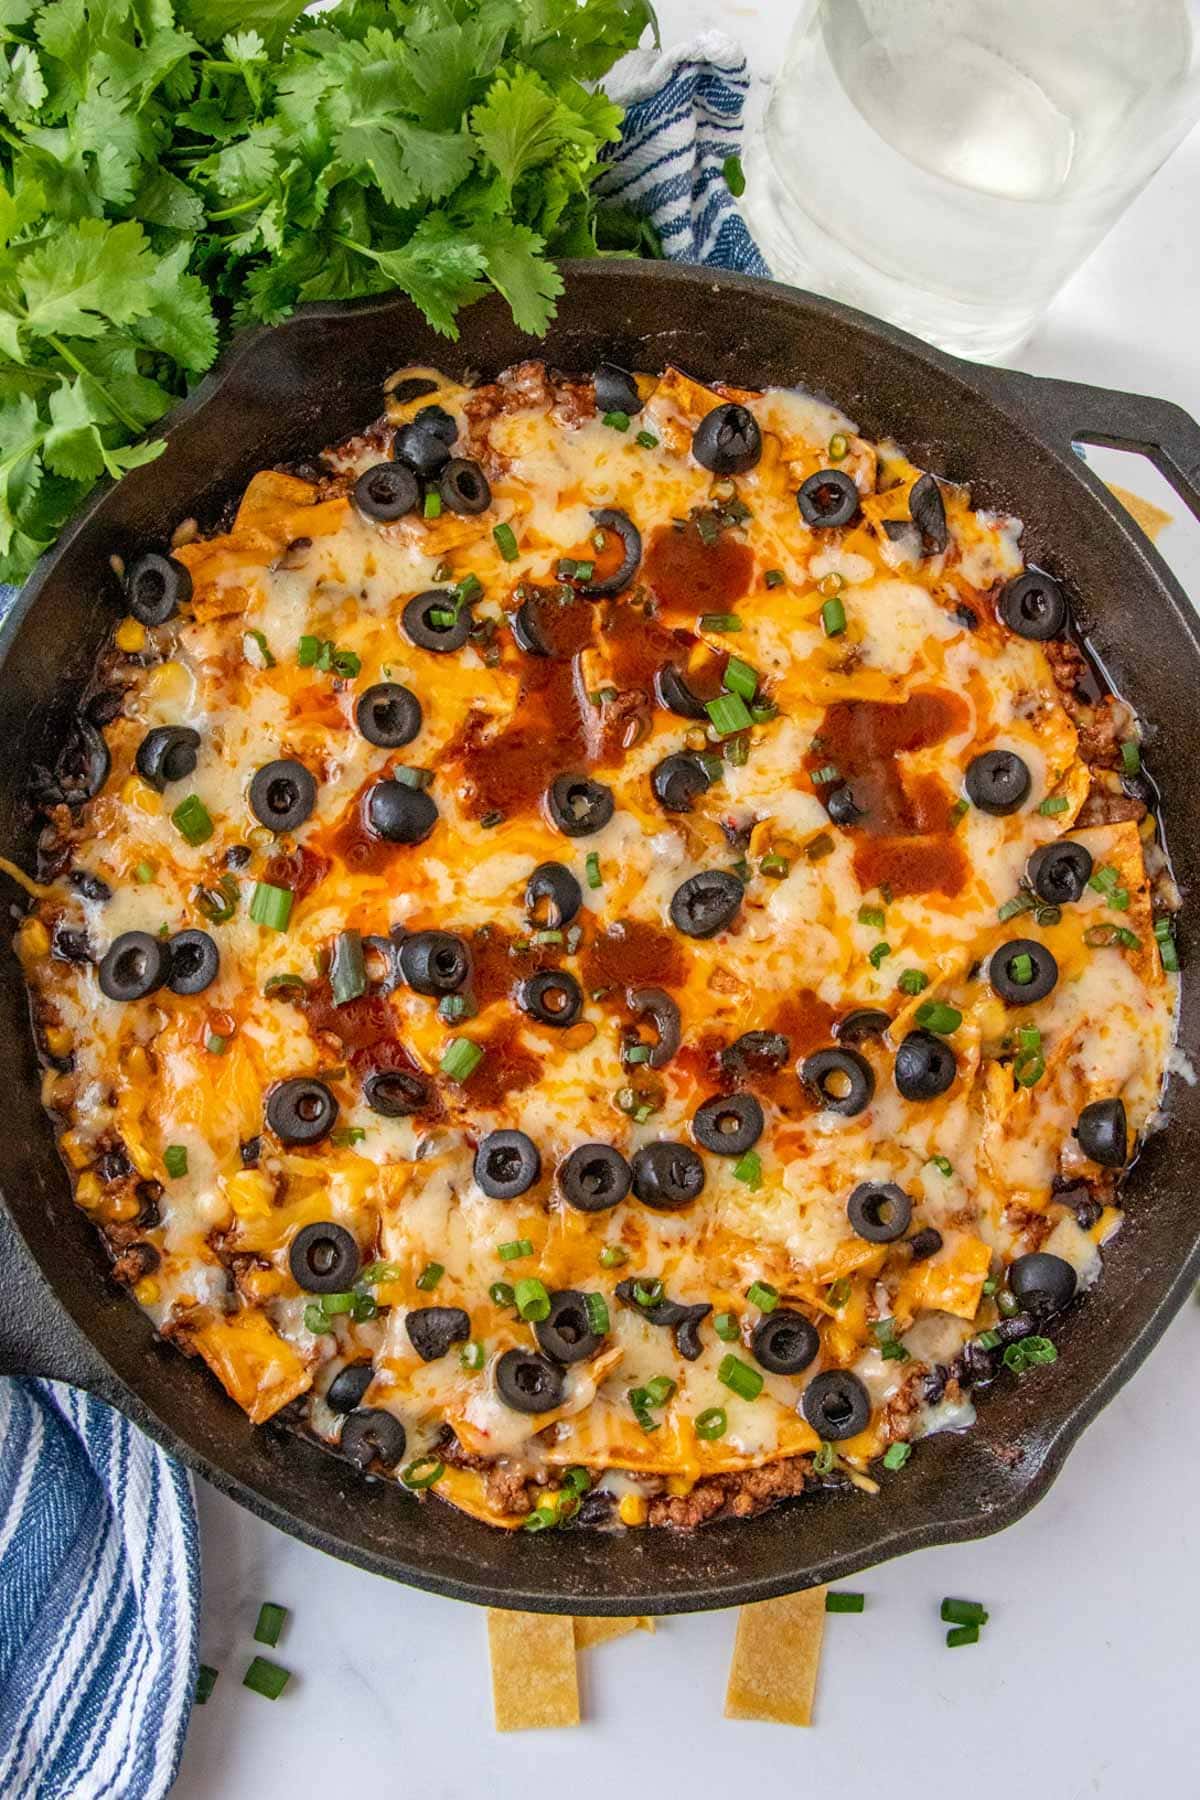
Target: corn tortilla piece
(525,1645)
(598,1631)
(1152,519)
(776,1655)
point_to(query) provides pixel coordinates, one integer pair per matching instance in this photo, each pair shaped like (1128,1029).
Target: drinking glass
(947,164)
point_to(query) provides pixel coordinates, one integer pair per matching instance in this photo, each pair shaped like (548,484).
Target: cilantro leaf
(85,274)
(213,20)
(515,263)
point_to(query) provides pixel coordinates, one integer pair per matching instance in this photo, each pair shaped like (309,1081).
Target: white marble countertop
(1084,1681)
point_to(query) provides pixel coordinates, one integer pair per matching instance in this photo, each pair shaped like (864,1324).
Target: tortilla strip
(776,1655)
(589,1632)
(525,1645)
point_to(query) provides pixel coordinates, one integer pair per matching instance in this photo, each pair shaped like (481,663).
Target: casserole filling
(601,949)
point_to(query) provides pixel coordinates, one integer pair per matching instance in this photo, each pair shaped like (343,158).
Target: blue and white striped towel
(99,1549)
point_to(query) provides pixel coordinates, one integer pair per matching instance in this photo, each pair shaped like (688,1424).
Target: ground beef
(528,384)
(737,1495)
(1107,805)
(508,1488)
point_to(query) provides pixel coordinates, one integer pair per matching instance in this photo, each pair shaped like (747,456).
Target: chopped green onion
(280,984)
(347,968)
(647,1293)
(896,1455)
(433,505)
(443,617)
(637,1053)
(660,1389)
(748,1168)
(740,678)
(206,1681)
(843,1602)
(647,440)
(270,1623)
(1020,903)
(963,1612)
(413,778)
(1106,880)
(820,846)
(1057,803)
(876,956)
(453,1007)
(472,1355)
(423,1472)
(839,446)
(957,810)
(774,865)
(175,1160)
(364,1308)
(144,872)
(935,1015)
(460,1059)
(728,714)
(381,1271)
(839,1292)
(774,578)
(542,1518)
(191,820)
(592,865)
(1029,1068)
(726,1327)
(334,1304)
(913,981)
(988,1340)
(962,1634)
(824,1459)
(639,1400)
(1048,915)
(735,176)
(1131,757)
(346,663)
(597,1312)
(514,1250)
(1029,1353)
(215,1044)
(429,1277)
(219,904)
(617,421)
(872,915)
(737,751)
(1098,936)
(506,542)
(763,1295)
(711,1424)
(271,906)
(746,1382)
(719,622)
(827,773)
(833,617)
(1167,948)
(500,1293)
(576,1481)
(533,1301)
(613,1256)
(307,651)
(942,1164)
(266,1678)
(1020,969)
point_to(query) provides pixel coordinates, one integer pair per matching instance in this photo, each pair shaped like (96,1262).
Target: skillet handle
(1072,412)
(37,1335)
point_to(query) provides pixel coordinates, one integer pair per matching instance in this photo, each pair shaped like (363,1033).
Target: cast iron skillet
(284,393)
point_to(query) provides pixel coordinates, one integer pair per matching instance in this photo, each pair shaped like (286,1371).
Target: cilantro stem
(81,368)
(243,206)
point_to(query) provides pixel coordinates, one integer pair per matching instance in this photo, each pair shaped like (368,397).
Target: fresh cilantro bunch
(169,171)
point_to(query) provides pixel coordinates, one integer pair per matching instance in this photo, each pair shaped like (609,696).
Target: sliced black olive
(879,1211)
(967,617)
(755,1053)
(435,621)
(301,1111)
(464,486)
(134,965)
(678,780)
(155,587)
(667,1176)
(552,997)
(706,903)
(841,805)
(1038,967)
(662,1311)
(926,1242)
(396,1093)
(927,510)
(282,794)
(844,1081)
(861,1026)
(507,1163)
(195,961)
(566,1332)
(828,498)
(168,753)
(687,1333)
(434,962)
(348,1386)
(324,1258)
(560,890)
(1042,1282)
(371,1435)
(399,813)
(784,1342)
(528,1383)
(1103,1133)
(727,440)
(729,1124)
(616,390)
(432,1329)
(410,389)
(80,769)
(1060,872)
(661,1010)
(836,1405)
(594,1178)
(609,518)
(998,782)
(388,715)
(250,1151)
(386,492)
(439,421)
(925,1066)
(1033,605)
(421,448)
(70,946)
(673,692)
(89,886)
(578,806)
(526,627)
(387,949)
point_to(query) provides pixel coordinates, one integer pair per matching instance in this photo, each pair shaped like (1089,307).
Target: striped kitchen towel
(683,121)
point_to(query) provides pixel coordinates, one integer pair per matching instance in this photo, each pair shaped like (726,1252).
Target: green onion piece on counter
(423,1472)
(711,1424)
(533,1301)
(876,956)
(962,1634)
(266,1678)
(942,1164)
(647,440)
(1029,1353)
(726,1327)
(913,981)
(594,877)
(896,1455)
(735,177)
(460,1059)
(740,678)
(1131,757)
(347,968)
(271,906)
(719,622)
(206,1681)
(433,505)
(472,1355)
(839,1601)
(833,617)
(746,1382)
(748,1169)
(639,1400)
(500,1293)
(597,1312)
(271,1620)
(824,1459)
(429,1277)
(514,1251)
(763,1295)
(935,1015)
(617,421)
(613,1255)
(1057,803)
(839,446)
(963,1612)
(191,820)
(872,915)
(728,714)
(506,542)
(175,1160)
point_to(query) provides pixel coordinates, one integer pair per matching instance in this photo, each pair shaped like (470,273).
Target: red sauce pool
(691,577)
(507,1067)
(632,953)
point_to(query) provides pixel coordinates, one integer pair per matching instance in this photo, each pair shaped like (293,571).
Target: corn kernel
(33,939)
(74,1149)
(147,1291)
(58,1040)
(130,636)
(138,793)
(169,682)
(89,1190)
(633,1509)
(250,1193)
(140,1156)
(123,1207)
(680,1484)
(262,1284)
